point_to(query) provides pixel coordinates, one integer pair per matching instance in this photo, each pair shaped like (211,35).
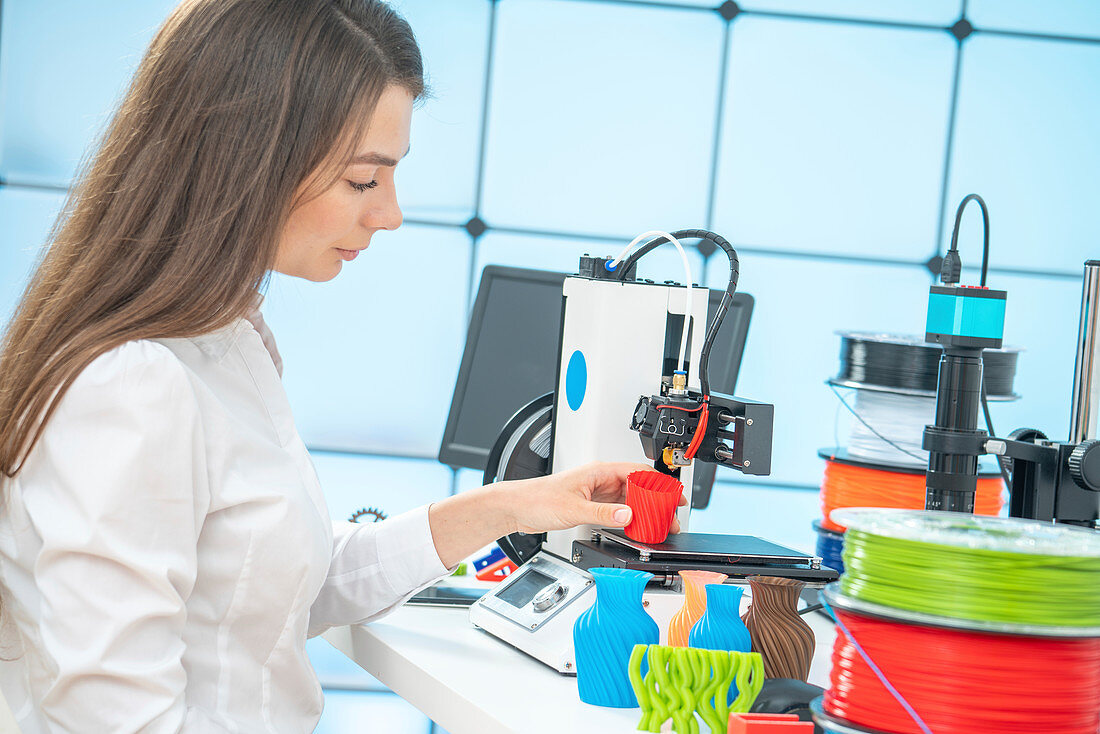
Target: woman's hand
(592,494)
(588,495)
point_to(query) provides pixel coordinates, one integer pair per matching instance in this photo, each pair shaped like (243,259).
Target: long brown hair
(175,221)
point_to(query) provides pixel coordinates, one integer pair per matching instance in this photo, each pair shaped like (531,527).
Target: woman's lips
(348,255)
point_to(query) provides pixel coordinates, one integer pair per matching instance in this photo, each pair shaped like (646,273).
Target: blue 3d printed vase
(605,635)
(720,627)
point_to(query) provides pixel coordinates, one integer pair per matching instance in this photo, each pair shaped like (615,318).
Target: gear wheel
(1084,465)
(376,514)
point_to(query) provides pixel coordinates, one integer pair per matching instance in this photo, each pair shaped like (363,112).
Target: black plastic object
(747,437)
(1052,480)
(522,458)
(738,433)
(715,320)
(1029,435)
(662,420)
(446,596)
(737,556)
(952,476)
(1084,465)
(596,267)
(902,362)
(510,358)
(787,696)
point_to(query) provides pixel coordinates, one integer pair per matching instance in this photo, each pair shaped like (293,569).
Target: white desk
(469,682)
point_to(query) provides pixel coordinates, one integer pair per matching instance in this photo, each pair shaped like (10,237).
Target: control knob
(1084,465)
(549,597)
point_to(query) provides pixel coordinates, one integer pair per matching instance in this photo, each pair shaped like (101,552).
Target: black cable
(953,269)
(727,298)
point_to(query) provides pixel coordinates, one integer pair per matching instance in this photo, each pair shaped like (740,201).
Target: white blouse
(166,550)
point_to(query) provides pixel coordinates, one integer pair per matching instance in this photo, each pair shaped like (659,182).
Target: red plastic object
(496,571)
(653,497)
(765,723)
(962,681)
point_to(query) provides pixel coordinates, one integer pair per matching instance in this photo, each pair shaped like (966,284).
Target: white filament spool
(886,418)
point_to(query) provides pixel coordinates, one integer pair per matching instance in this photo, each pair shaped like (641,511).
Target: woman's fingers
(594,494)
(606,514)
(609,479)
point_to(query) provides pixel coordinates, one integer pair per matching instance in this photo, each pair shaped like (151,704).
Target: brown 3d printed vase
(778,631)
(695,603)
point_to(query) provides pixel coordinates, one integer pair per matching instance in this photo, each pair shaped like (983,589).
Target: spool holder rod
(1085,411)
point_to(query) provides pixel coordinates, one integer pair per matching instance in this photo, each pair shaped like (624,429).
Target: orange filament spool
(847,485)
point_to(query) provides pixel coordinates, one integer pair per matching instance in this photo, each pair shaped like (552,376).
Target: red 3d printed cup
(652,497)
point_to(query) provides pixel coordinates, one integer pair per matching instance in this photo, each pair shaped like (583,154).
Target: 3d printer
(632,384)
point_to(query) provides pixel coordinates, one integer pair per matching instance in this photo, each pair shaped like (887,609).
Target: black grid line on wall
(962,29)
(730,12)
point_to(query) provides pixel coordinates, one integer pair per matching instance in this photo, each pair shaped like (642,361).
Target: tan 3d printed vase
(778,631)
(695,603)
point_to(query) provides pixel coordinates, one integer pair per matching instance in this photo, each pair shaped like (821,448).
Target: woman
(164,545)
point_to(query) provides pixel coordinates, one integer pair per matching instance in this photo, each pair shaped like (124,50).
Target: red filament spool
(963,682)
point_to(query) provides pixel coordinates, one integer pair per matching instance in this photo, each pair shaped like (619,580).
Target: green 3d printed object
(685,681)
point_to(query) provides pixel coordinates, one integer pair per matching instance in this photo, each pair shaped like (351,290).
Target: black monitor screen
(515,350)
(511,358)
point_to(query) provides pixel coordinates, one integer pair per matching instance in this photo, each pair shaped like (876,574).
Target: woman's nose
(387,215)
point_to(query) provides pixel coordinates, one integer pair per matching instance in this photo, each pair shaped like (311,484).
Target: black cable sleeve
(727,297)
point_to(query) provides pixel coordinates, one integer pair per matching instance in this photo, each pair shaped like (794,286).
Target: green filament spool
(997,571)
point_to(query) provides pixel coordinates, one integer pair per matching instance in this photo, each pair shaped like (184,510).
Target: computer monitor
(511,358)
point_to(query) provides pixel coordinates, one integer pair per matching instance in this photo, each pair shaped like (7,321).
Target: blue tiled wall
(829,140)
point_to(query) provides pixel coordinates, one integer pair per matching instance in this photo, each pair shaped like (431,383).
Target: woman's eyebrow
(376,159)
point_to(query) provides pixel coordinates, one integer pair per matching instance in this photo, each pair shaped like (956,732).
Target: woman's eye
(361,187)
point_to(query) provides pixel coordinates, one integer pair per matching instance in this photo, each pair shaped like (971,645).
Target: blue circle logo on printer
(576,380)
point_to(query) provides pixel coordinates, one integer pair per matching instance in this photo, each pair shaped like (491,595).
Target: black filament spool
(909,365)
